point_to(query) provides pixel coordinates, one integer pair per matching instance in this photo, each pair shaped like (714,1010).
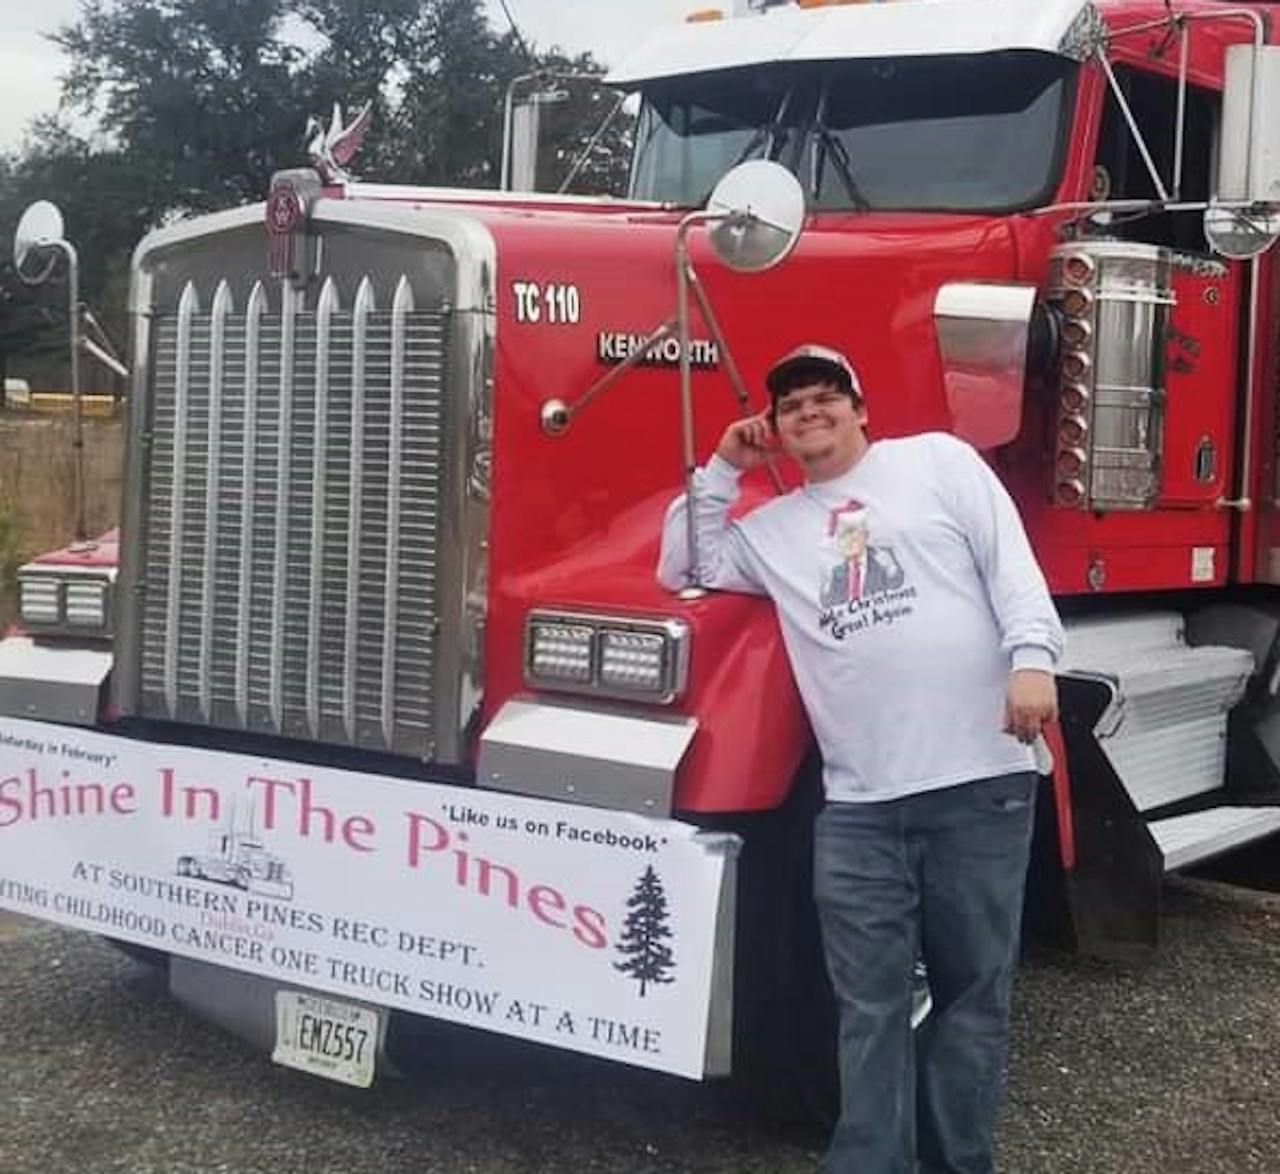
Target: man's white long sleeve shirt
(906,590)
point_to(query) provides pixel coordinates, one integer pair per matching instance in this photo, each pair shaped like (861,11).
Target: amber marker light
(1077,302)
(1078,269)
(1071,431)
(1075,366)
(704,16)
(1076,333)
(1075,397)
(1070,492)
(1071,463)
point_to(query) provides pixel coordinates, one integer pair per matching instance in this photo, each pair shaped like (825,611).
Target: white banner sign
(584,929)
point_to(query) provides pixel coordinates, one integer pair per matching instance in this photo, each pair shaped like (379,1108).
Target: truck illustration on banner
(239,858)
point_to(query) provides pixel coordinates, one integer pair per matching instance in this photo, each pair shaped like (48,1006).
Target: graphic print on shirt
(863,583)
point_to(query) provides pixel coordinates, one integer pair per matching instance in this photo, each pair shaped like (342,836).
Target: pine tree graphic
(646,957)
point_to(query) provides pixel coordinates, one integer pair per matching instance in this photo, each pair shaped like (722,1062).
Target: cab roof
(902,28)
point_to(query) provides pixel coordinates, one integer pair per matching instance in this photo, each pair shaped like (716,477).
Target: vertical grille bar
(290,304)
(188,305)
(325,311)
(401,307)
(253,341)
(218,315)
(364,307)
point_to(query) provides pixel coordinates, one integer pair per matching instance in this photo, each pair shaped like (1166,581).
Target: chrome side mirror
(1249,156)
(38,239)
(756,213)
(1240,233)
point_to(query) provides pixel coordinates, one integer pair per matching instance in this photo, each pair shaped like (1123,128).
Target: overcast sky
(30,67)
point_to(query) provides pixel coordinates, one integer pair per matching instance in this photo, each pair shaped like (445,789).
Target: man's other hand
(1032,701)
(747,443)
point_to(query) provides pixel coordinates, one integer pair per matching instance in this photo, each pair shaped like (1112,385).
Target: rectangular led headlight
(52,603)
(86,603)
(39,599)
(609,656)
(558,651)
(632,660)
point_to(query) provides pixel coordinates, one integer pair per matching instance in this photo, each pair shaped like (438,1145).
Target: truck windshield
(964,134)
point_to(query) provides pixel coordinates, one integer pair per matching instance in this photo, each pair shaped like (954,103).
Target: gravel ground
(1170,1067)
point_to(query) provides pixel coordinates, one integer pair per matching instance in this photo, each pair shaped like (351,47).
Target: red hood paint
(101,552)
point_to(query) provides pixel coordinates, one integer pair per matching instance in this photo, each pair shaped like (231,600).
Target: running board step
(1185,840)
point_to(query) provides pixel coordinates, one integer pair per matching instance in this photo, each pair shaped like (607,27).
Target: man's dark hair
(805,373)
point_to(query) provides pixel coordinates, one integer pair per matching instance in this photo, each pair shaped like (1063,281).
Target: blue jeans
(940,874)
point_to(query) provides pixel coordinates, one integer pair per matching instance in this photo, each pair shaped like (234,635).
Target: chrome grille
(289,566)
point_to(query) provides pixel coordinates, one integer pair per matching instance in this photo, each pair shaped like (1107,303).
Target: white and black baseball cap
(822,362)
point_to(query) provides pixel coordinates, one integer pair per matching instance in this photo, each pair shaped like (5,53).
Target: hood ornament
(331,150)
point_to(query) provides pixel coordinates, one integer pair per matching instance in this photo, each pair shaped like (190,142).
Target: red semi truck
(398,460)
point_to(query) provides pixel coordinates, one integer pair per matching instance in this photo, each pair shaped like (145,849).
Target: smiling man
(923,641)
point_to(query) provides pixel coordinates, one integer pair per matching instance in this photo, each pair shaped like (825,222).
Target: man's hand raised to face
(748,443)
(1032,701)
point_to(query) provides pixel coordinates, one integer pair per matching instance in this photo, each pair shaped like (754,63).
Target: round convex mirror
(1240,233)
(39,227)
(761,210)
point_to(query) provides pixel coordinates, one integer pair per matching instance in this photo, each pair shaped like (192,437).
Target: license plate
(326,1037)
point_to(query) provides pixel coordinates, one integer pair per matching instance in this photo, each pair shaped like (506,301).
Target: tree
(201,96)
(24,322)
(646,956)
(449,120)
(206,98)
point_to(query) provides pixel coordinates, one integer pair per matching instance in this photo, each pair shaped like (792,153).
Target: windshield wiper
(828,145)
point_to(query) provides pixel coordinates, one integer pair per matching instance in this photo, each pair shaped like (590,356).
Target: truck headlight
(560,651)
(86,604)
(609,656)
(39,600)
(70,604)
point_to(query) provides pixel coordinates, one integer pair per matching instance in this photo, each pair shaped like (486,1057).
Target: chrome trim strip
(290,305)
(222,308)
(197,228)
(188,305)
(392,191)
(326,308)
(401,307)
(252,348)
(126,676)
(365,305)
